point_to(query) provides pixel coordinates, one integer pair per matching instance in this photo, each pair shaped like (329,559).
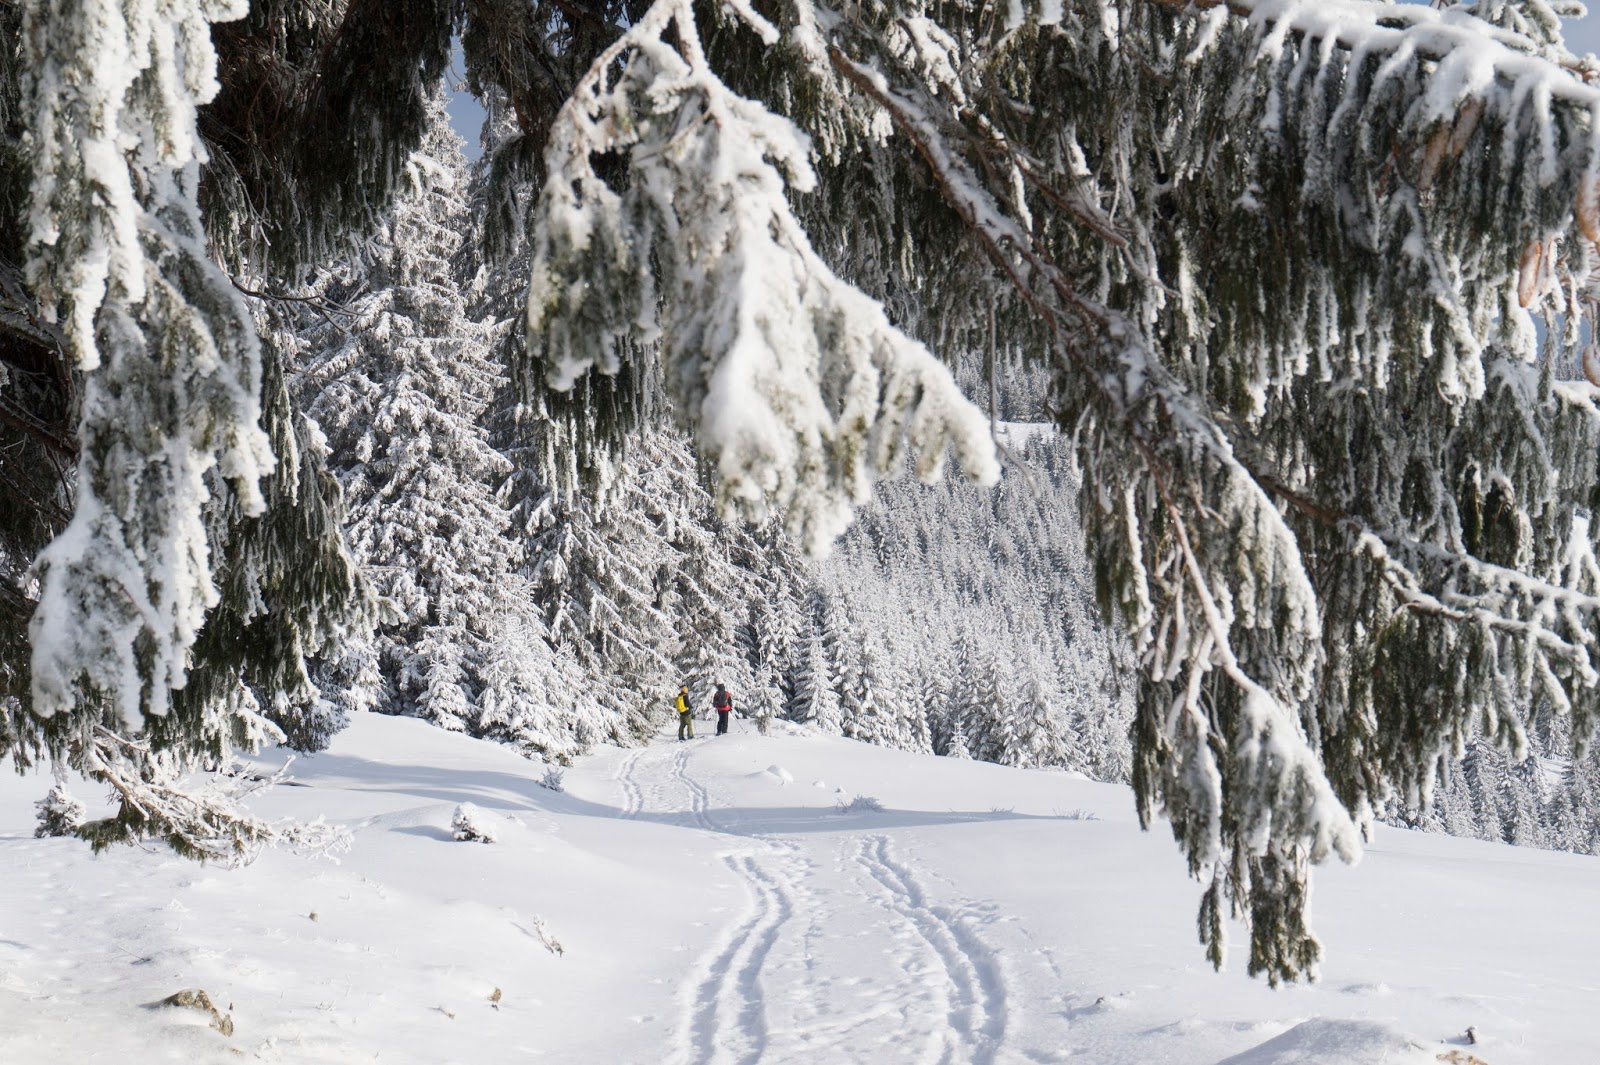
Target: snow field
(713,907)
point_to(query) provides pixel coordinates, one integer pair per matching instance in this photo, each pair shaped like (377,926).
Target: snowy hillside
(714,905)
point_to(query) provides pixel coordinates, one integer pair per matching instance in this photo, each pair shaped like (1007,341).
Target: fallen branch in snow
(551,943)
(206,822)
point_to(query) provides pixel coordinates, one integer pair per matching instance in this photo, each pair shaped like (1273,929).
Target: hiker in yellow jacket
(685,714)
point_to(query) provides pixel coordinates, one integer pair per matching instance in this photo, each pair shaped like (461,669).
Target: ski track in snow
(976,989)
(953,981)
(729,1019)
(632,794)
(699,798)
(726,1007)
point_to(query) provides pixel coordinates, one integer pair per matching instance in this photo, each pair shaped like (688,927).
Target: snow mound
(1324,1041)
(773,774)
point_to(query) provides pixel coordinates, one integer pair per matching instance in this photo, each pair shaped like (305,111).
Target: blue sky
(1583,34)
(466,114)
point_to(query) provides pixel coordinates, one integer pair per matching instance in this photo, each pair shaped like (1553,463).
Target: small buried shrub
(471,823)
(60,813)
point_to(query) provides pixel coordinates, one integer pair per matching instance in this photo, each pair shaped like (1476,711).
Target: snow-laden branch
(1379,113)
(1470,62)
(1470,52)
(169,350)
(1269,749)
(799,390)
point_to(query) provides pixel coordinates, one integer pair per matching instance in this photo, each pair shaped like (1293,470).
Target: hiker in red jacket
(722,702)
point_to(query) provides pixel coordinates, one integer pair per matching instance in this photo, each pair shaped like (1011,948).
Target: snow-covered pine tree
(277,575)
(1038,731)
(986,706)
(1458,815)
(1094,749)
(932,694)
(171,365)
(1480,768)
(863,712)
(534,696)
(155,354)
(816,684)
(1522,799)
(399,386)
(1563,825)
(777,581)
(590,564)
(703,591)
(774,629)
(957,706)
(598,573)
(60,812)
(1584,789)
(956,744)
(898,691)
(133,375)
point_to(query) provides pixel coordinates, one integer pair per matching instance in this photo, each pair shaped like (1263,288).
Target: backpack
(722,701)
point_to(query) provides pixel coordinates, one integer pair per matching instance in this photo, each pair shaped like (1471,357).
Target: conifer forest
(1199,397)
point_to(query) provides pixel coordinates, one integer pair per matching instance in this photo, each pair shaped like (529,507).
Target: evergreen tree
(704,592)
(774,628)
(815,693)
(933,697)
(598,573)
(1522,801)
(985,708)
(400,390)
(956,745)
(1458,815)
(1483,771)
(1037,736)
(862,710)
(1585,799)
(534,697)
(898,693)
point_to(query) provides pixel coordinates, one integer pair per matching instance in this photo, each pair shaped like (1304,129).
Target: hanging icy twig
(799,390)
